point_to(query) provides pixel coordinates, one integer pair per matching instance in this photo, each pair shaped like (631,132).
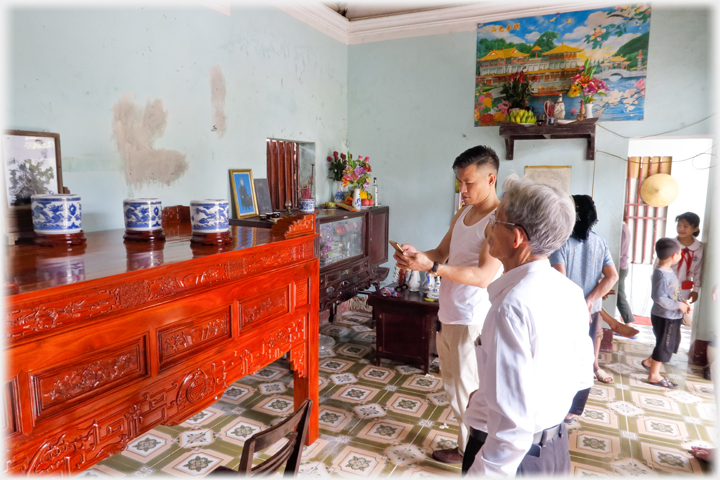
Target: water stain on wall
(217,100)
(136,128)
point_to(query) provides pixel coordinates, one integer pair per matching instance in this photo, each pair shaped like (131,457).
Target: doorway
(689,161)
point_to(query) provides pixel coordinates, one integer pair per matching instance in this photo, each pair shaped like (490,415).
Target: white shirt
(464,304)
(535,355)
(695,270)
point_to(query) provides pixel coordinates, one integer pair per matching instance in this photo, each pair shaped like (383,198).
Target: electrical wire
(658,134)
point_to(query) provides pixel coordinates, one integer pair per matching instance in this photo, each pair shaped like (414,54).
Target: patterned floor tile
(423,383)
(582,470)
(237,393)
(240,430)
(602,393)
(440,399)
(335,365)
(707,411)
(270,388)
(670,459)
(439,440)
(147,446)
(314,470)
(376,374)
(599,416)
(662,427)
(276,405)
(427,472)
(404,454)
(407,370)
(197,463)
(355,394)
(448,416)
(683,396)
(625,408)
(353,350)
(385,430)
(631,467)
(368,337)
(203,418)
(705,390)
(196,438)
(407,405)
(358,462)
(269,373)
(333,419)
(657,403)
(372,410)
(343,378)
(100,471)
(595,444)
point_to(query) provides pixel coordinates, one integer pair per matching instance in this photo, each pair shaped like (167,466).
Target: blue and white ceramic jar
(209,216)
(307,205)
(142,214)
(56,214)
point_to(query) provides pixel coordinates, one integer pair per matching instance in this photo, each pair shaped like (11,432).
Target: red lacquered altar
(108,340)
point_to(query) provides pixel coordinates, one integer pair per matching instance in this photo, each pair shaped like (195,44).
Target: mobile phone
(397,247)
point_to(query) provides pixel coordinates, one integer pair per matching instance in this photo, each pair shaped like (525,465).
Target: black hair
(585,217)
(666,248)
(478,156)
(692,219)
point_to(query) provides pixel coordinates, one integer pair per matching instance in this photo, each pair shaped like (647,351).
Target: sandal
(665,383)
(642,362)
(602,376)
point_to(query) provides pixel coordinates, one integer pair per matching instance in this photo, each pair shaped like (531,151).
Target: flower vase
(588,110)
(356,201)
(339,192)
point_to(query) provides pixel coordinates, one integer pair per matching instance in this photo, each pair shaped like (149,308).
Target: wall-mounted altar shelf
(577,129)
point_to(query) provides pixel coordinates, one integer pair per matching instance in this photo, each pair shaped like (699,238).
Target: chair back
(294,428)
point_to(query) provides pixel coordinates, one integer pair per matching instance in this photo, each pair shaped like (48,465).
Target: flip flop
(665,383)
(602,376)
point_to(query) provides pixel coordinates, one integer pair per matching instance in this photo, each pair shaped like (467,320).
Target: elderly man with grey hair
(533,355)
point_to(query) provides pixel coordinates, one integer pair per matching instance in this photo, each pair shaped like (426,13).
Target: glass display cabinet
(351,247)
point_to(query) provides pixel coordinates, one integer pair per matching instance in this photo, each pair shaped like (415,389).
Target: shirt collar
(514,276)
(693,246)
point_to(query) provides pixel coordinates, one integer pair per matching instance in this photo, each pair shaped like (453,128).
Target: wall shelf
(577,129)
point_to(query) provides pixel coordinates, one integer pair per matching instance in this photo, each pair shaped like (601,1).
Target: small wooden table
(405,327)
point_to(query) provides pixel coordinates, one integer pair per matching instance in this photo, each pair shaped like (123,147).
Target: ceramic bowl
(209,216)
(56,214)
(142,214)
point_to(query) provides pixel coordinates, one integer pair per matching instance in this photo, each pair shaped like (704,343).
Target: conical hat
(659,190)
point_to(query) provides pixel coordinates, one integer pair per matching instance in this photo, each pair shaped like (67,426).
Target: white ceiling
(362,10)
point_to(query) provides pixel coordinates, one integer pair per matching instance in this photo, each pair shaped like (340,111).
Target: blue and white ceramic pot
(339,192)
(142,214)
(307,205)
(56,214)
(209,216)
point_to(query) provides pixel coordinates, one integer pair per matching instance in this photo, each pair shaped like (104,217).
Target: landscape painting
(551,49)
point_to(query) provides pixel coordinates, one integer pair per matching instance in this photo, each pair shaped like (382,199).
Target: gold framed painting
(243,190)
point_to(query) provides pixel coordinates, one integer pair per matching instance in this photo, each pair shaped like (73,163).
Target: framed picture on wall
(244,198)
(32,165)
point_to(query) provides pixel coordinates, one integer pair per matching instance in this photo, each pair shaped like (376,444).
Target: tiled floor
(378,421)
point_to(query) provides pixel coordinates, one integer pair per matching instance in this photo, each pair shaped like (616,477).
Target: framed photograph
(262,195)
(32,165)
(555,176)
(243,188)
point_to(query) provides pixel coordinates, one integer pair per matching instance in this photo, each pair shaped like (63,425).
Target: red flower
(329,159)
(367,159)
(343,156)
(534,79)
(487,119)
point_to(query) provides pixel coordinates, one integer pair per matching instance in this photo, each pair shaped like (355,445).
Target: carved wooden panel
(9,408)
(30,318)
(301,292)
(57,388)
(270,305)
(185,338)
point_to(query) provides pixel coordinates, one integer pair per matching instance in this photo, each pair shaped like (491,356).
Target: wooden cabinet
(108,341)
(351,247)
(404,327)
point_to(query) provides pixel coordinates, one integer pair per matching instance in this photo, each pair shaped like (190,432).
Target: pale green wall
(410,108)
(67,67)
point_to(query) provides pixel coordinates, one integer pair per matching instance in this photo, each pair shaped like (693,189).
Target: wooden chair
(289,454)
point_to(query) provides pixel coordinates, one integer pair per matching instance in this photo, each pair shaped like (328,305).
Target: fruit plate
(525,124)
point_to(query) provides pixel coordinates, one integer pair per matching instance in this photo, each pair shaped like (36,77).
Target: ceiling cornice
(428,22)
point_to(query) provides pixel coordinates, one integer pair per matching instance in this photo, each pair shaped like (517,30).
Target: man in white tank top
(466,275)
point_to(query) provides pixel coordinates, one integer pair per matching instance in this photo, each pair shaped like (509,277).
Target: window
(282,168)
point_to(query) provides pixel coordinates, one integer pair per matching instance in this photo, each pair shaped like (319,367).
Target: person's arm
(510,397)
(696,272)
(610,278)
(480,276)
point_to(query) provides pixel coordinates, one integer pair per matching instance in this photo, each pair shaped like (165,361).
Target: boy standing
(667,311)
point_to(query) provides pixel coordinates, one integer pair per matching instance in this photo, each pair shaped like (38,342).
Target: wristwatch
(434,269)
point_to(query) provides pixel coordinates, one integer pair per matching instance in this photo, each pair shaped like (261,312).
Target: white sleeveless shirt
(465,304)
